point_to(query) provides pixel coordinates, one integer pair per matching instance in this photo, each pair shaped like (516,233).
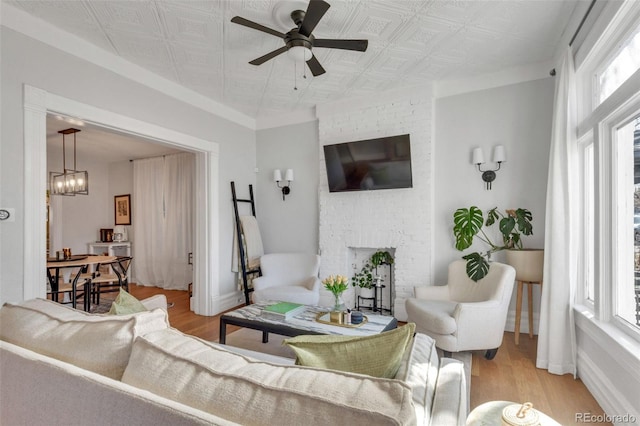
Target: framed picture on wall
(122,206)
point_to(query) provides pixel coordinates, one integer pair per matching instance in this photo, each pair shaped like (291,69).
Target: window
(626,308)
(621,67)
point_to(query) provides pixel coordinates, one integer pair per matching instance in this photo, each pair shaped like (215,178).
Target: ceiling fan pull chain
(295,76)
(304,73)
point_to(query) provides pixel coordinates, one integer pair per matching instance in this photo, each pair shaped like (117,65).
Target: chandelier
(69,181)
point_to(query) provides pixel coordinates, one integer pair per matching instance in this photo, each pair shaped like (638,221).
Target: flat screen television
(381,163)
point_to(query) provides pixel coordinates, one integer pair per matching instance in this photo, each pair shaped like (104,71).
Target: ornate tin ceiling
(411,42)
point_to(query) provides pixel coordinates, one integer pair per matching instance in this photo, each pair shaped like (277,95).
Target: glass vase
(338,303)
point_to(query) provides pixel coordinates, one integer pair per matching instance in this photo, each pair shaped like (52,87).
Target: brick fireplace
(398,219)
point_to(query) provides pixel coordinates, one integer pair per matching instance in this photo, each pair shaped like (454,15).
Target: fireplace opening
(379,298)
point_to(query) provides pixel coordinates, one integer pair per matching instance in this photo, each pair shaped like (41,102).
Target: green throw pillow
(126,304)
(378,355)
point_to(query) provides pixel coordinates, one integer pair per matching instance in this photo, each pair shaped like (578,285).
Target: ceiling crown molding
(44,32)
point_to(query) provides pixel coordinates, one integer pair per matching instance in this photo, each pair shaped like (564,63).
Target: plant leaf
(523,219)
(492,216)
(477,266)
(466,224)
(506,226)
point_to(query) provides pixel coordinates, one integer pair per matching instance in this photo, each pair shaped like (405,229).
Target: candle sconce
(499,157)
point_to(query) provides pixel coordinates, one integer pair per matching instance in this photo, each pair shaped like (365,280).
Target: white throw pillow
(250,392)
(99,343)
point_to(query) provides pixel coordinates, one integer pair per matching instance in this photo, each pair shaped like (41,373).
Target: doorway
(86,223)
(37,104)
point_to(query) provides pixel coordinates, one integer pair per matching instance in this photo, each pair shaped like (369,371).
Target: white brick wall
(397,218)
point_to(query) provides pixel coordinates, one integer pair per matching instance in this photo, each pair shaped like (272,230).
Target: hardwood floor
(513,376)
(510,376)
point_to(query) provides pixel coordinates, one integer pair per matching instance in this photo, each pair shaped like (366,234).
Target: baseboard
(612,401)
(227,301)
(524,322)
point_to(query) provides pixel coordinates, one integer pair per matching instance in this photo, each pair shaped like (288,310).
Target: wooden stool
(530,307)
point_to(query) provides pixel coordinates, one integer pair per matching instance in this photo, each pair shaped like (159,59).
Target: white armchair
(465,315)
(288,277)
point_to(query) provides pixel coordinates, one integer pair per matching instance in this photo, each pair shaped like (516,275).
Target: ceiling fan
(300,40)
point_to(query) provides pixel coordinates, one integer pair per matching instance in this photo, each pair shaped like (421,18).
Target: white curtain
(556,339)
(162,217)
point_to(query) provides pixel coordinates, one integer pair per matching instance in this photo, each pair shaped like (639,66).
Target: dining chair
(75,285)
(115,277)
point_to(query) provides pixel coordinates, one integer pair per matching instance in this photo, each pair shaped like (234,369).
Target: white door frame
(37,103)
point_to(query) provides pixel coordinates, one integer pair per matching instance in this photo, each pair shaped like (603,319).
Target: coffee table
(302,323)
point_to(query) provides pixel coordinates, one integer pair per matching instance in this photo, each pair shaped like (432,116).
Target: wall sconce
(288,176)
(499,157)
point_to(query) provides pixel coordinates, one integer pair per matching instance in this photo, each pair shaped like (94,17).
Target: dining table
(80,261)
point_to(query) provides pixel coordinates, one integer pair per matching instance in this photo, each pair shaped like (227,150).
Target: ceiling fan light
(299,53)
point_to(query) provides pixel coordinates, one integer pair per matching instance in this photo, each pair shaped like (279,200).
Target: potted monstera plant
(469,223)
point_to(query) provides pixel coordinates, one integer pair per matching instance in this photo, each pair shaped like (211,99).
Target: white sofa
(60,366)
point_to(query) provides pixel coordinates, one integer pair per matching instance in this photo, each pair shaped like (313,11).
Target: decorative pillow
(378,355)
(246,391)
(98,343)
(125,304)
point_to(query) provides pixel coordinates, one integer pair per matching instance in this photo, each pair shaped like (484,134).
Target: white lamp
(478,156)
(499,155)
(288,176)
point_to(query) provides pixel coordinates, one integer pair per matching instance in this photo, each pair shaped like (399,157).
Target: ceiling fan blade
(262,59)
(313,15)
(315,67)
(256,26)
(359,45)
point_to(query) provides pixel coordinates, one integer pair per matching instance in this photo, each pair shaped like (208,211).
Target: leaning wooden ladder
(243,261)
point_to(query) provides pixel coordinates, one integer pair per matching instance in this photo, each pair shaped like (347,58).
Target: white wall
(80,217)
(517,116)
(121,183)
(290,225)
(25,60)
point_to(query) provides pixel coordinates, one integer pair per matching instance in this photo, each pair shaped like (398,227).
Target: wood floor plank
(510,376)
